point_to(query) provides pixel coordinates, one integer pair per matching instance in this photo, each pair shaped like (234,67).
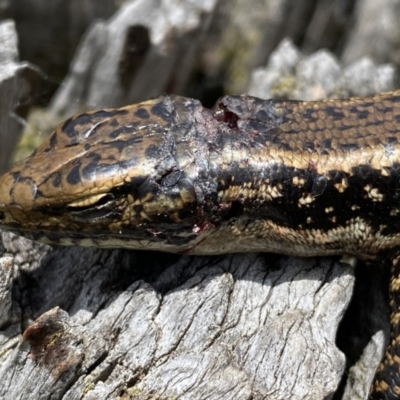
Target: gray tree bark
(147,325)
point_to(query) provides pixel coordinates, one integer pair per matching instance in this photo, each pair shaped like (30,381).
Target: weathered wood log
(148,324)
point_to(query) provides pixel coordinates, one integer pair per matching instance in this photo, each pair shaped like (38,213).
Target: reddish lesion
(199,228)
(222,114)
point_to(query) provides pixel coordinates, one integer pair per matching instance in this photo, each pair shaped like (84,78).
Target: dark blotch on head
(142,113)
(108,113)
(74,176)
(70,125)
(57,179)
(87,146)
(161,111)
(107,169)
(152,152)
(89,169)
(53,141)
(68,128)
(116,132)
(118,145)
(132,128)
(121,144)
(114,123)
(82,119)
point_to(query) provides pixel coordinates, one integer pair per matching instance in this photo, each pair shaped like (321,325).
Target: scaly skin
(292,177)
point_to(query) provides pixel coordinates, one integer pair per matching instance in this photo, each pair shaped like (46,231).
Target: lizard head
(110,175)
